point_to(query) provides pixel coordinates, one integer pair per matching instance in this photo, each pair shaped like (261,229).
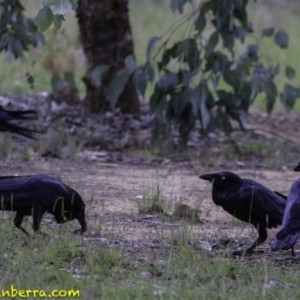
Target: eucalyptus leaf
(212,43)
(99,73)
(200,23)
(281,39)
(56,83)
(44,18)
(130,63)
(268,31)
(290,73)
(117,86)
(61,7)
(69,78)
(57,21)
(151,45)
(30,80)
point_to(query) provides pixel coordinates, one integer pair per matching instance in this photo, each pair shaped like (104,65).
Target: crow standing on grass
(287,237)
(248,201)
(6,116)
(36,195)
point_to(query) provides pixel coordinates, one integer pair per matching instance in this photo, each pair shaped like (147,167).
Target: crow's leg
(18,221)
(37,214)
(262,236)
(293,252)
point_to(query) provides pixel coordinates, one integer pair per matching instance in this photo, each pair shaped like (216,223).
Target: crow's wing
(25,191)
(291,219)
(285,243)
(288,235)
(281,195)
(263,202)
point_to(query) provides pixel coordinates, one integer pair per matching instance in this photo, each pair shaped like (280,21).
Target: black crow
(248,201)
(6,116)
(287,237)
(36,195)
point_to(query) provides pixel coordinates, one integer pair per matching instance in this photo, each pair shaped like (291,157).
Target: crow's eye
(223,177)
(82,207)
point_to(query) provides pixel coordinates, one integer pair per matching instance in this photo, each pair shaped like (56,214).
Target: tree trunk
(106,38)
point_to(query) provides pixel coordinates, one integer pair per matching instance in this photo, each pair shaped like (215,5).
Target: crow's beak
(82,222)
(297,169)
(208,177)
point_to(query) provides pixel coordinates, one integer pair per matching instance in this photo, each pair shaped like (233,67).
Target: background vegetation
(62,51)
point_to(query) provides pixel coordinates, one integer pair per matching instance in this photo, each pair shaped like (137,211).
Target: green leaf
(157,100)
(281,39)
(98,74)
(167,55)
(74,4)
(57,20)
(270,89)
(271,92)
(222,122)
(69,78)
(151,45)
(178,5)
(206,6)
(130,63)
(252,52)
(116,87)
(241,14)
(290,73)
(232,78)
(268,32)
(150,71)
(240,33)
(167,82)
(15,47)
(212,43)
(242,118)
(140,79)
(275,70)
(56,83)
(198,99)
(47,2)
(44,18)
(61,7)
(289,96)
(30,80)
(200,23)
(270,104)
(179,102)
(193,56)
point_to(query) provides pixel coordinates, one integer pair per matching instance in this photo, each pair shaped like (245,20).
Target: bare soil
(114,192)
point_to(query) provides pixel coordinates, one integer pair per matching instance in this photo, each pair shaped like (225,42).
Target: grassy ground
(181,272)
(129,255)
(148,18)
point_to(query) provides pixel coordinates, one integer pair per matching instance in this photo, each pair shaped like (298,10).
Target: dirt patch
(113,192)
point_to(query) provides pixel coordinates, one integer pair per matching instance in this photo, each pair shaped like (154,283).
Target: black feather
(287,237)
(37,194)
(6,116)
(248,201)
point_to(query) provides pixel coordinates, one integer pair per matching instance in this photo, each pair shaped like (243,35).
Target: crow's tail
(7,115)
(16,129)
